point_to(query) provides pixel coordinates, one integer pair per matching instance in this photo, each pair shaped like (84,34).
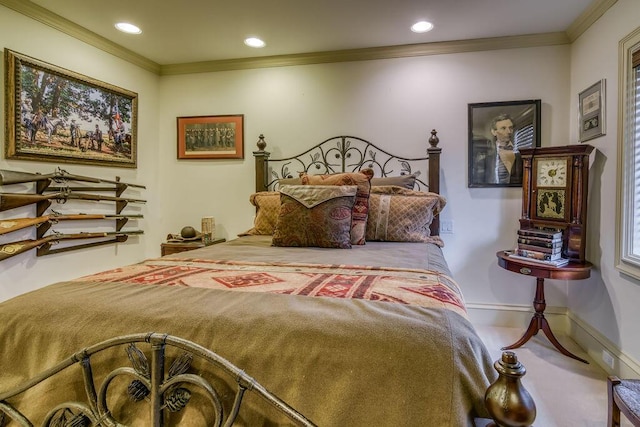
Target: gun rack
(47,184)
(46,248)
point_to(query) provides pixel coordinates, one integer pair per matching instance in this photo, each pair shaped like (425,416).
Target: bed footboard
(163,389)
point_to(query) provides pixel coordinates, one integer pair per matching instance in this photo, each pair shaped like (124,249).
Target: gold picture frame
(57,115)
(211,137)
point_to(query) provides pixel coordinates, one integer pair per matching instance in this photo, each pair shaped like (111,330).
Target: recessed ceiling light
(422,27)
(254,42)
(125,27)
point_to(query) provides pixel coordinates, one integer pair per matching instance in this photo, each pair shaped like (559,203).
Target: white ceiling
(187,31)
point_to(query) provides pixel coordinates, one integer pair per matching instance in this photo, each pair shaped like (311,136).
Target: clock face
(552,172)
(551,204)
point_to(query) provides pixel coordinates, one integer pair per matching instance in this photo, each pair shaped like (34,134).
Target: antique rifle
(9,225)
(14,248)
(8,177)
(16,200)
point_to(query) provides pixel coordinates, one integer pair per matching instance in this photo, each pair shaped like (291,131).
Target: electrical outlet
(446,226)
(607,358)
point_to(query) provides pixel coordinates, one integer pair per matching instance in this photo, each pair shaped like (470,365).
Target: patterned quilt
(423,288)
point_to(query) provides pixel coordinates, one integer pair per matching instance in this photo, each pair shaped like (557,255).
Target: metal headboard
(349,154)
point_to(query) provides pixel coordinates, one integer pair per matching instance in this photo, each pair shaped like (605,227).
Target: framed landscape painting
(57,115)
(211,137)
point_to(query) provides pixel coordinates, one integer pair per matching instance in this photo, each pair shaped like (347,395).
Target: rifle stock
(8,177)
(14,200)
(15,248)
(9,225)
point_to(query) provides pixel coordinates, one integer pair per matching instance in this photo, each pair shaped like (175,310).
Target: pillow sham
(405,181)
(315,215)
(360,179)
(398,214)
(267,205)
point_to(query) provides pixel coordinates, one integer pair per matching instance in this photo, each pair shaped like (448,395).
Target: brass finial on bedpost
(262,160)
(434,140)
(262,144)
(508,402)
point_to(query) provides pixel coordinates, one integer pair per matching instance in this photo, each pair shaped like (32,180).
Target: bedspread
(344,345)
(420,287)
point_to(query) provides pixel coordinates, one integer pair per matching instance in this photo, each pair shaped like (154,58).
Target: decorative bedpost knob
(262,144)
(508,402)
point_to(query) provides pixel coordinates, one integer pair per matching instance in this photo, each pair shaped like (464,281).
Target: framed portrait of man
(497,133)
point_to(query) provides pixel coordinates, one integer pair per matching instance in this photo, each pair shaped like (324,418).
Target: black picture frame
(57,115)
(485,168)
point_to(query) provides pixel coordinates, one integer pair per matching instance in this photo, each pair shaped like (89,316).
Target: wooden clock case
(569,194)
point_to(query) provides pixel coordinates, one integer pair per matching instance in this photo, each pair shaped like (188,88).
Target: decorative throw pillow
(397,214)
(315,215)
(289,181)
(361,206)
(405,181)
(267,205)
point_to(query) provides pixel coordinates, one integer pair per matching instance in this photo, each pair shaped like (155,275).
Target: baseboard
(594,343)
(561,320)
(514,316)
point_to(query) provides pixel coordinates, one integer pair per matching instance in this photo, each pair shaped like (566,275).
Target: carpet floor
(567,392)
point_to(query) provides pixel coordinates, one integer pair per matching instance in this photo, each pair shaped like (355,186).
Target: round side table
(571,271)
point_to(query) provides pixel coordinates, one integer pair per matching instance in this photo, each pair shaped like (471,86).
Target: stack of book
(540,245)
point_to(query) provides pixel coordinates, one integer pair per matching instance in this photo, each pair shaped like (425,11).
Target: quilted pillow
(267,205)
(405,181)
(315,215)
(397,214)
(361,206)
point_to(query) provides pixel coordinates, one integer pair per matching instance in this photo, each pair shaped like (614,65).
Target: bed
(251,333)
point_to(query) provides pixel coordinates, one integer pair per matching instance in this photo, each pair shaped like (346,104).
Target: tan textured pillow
(398,214)
(315,215)
(268,208)
(361,206)
(405,181)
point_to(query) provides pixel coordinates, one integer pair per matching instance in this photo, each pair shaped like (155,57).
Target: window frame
(626,260)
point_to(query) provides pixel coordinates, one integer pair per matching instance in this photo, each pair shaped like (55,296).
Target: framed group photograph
(211,137)
(497,133)
(57,115)
(591,111)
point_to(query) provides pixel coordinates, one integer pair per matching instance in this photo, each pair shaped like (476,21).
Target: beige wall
(391,102)
(26,272)
(608,301)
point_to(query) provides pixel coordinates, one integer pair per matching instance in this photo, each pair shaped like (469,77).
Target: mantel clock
(554,193)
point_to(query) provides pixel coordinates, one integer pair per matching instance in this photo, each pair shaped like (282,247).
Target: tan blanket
(339,361)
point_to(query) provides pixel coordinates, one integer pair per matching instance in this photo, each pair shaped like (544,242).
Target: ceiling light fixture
(422,27)
(254,42)
(125,27)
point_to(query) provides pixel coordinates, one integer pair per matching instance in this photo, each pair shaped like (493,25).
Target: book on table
(540,241)
(540,233)
(554,263)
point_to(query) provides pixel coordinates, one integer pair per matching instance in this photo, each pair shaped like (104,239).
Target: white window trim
(626,261)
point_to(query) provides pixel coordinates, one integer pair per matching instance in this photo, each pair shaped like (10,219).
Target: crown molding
(44,16)
(588,17)
(387,52)
(581,24)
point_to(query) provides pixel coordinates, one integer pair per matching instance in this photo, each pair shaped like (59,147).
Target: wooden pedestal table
(571,271)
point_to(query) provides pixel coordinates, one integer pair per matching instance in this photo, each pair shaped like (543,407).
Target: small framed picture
(591,112)
(211,137)
(497,133)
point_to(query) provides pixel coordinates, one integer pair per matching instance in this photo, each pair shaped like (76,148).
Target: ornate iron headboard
(348,154)
(165,389)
